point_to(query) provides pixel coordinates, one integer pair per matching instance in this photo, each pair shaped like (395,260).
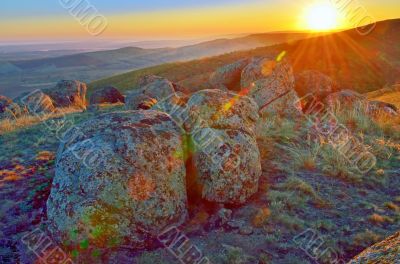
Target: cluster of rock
(270,82)
(324,90)
(127,169)
(349,99)
(64,94)
(127,173)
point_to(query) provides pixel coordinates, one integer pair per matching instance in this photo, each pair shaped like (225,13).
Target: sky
(28,20)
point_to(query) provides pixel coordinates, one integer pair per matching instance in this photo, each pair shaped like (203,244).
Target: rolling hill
(23,75)
(362,63)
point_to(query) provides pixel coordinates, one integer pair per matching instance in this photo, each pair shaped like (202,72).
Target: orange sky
(189,22)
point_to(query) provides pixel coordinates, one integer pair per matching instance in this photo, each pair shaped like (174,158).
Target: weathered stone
(316,83)
(107,95)
(345,98)
(151,90)
(286,105)
(228,76)
(156,87)
(36,102)
(136,100)
(269,69)
(271,85)
(227,163)
(385,252)
(68,93)
(120,180)
(222,110)
(176,106)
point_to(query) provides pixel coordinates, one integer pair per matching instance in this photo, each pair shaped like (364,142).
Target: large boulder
(345,98)
(136,100)
(68,93)
(271,84)
(385,252)
(222,110)
(224,152)
(4,102)
(107,94)
(151,89)
(176,106)
(227,163)
(228,76)
(36,102)
(156,87)
(120,181)
(315,82)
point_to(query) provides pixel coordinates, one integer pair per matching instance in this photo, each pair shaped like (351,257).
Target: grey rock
(271,85)
(36,102)
(316,83)
(68,93)
(151,89)
(107,94)
(222,110)
(228,76)
(121,174)
(228,164)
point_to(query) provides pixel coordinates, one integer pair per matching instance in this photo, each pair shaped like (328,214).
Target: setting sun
(322,17)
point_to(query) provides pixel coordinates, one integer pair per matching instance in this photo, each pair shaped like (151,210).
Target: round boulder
(345,98)
(176,106)
(108,94)
(387,251)
(271,84)
(228,76)
(36,102)
(120,181)
(315,82)
(227,163)
(223,150)
(222,110)
(136,100)
(151,89)
(270,70)
(156,87)
(68,93)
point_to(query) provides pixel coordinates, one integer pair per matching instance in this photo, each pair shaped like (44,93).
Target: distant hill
(22,75)
(362,63)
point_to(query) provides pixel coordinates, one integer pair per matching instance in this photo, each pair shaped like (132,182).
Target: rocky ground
(295,199)
(348,216)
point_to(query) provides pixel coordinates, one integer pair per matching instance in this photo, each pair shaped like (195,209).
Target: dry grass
(261,217)
(379,219)
(11,125)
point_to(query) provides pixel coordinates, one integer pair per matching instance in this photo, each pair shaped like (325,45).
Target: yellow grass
(10,125)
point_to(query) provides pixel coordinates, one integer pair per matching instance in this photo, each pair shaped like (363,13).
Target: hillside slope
(25,75)
(362,63)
